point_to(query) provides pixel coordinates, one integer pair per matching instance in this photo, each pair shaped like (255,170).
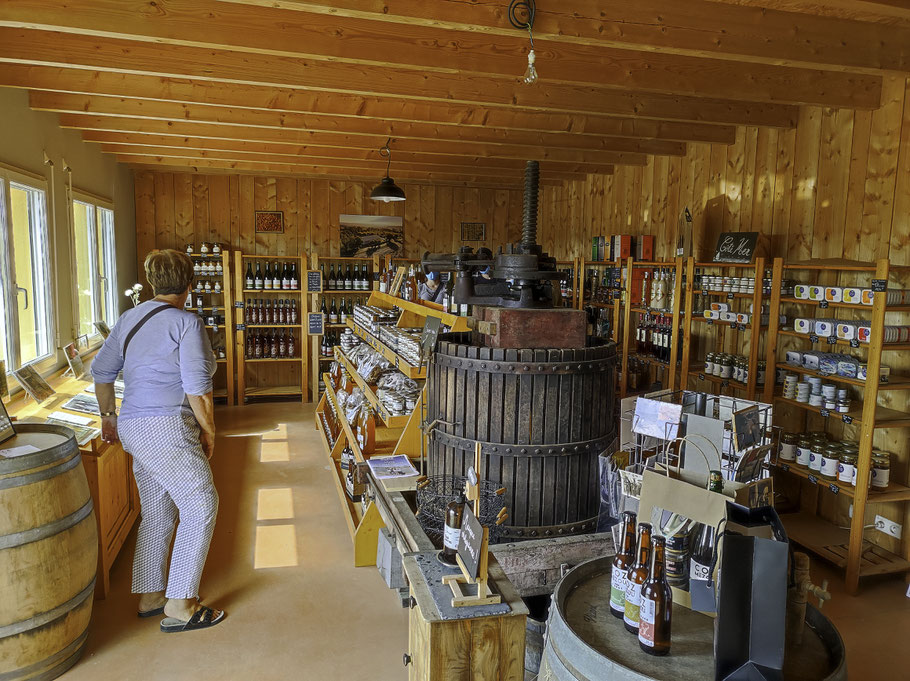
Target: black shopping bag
(752,597)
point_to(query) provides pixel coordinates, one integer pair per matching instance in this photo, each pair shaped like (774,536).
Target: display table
(108,469)
(482,643)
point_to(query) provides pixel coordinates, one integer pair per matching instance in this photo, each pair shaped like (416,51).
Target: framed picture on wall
(363,236)
(269,222)
(473,231)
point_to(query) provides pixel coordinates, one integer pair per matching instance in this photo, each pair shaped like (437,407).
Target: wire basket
(441,490)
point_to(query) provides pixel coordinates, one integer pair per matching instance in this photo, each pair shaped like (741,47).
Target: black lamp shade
(387,191)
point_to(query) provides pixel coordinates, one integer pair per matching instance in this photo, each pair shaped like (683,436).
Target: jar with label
(815,456)
(803,450)
(189,249)
(709,363)
(788,447)
(718,364)
(216,248)
(881,469)
(846,469)
(830,461)
(760,373)
(726,367)
(204,248)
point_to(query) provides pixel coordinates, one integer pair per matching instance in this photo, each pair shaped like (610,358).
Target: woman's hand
(208,443)
(109,429)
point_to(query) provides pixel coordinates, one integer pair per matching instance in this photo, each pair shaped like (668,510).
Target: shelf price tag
(823,304)
(813,479)
(824,413)
(785,466)
(314,281)
(238,304)
(725,384)
(834,488)
(240,327)
(846,419)
(832,340)
(710,322)
(813,338)
(701,377)
(729,296)
(879,285)
(854,343)
(315,324)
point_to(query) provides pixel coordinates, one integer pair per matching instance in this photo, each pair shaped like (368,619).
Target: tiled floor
(280,564)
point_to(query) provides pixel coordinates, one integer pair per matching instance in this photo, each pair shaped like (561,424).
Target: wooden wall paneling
(263,243)
(164,214)
(783,194)
(701,179)
(247,240)
(321,224)
(715,208)
(200,209)
(734,182)
(145,219)
(833,179)
(899,250)
(182,210)
(659,205)
(763,195)
(304,204)
(500,219)
(884,145)
(337,203)
(856,184)
(412,229)
(805,184)
(748,183)
(219,209)
(234,199)
(286,199)
(444,217)
(674,208)
(646,206)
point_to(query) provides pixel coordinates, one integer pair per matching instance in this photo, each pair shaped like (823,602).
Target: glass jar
(788,447)
(815,458)
(726,367)
(846,469)
(709,363)
(830,462)
(189,249)
(760,373)
(204,248)
(881,469)
(803,450)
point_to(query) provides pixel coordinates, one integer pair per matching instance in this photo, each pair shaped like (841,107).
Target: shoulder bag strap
(129,336)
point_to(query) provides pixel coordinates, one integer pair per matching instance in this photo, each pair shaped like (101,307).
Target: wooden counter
(108,469)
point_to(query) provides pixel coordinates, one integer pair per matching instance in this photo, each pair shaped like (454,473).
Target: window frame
(104,300)
(13,352)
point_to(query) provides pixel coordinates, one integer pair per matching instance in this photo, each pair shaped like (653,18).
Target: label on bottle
(646,626)
(383,287)
(618,590)
(450,537)
(699,570)
(633,603)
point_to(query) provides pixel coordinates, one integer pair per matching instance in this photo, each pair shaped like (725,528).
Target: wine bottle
(276,277)
(292,319)
(250,346)
(622,561)
(705,539)
(367,281)
(348,280)
(384,281)
(283,312)
(282,345)
(332,281)
(295,280)
(292,344)
(656,605)
(452,531)
(355,283)
(273,345)
(267,278)
(343,313)
(257,346)
(333,313)
(286,277)
(636,576)
(325,312)
(257,280)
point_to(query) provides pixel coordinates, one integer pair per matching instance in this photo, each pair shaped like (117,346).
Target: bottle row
(337,313)
(329,340)
(281,277)
(208,268)
(205,249)
(266,311)
(346,280)
(654,335)
(277,344)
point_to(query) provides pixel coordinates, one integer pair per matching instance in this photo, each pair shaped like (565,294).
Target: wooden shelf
(370,394)
(851,306)
(272,290)
(895,382)
(725,382)
(727,294)
(894,491)
(272,359)
(830,542)
(274,391)
(273,326)
(456,322)
(341,292)
(884,417)
(824,341)
(717,322)
(400,363)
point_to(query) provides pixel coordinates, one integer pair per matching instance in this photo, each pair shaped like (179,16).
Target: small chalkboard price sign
(470,541)
(315,324)
(736,247)
(314,281)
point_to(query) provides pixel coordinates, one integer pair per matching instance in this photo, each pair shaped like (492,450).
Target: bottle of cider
(636,576)
(656,605)
(452,532)
(622,561)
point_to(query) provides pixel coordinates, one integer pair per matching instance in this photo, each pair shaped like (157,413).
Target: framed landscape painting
(363,236)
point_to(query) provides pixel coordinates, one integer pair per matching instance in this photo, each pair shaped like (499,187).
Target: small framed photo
(473,231)
(103,329)
(6,425)
(33,383)
(75,361)
(747,430)
(269,222)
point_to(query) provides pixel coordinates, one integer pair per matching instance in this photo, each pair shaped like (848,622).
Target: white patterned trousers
(173,476)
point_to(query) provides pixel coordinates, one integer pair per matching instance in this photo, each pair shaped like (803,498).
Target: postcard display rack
(265,377)
(395,435)
(820,506)
(216,307)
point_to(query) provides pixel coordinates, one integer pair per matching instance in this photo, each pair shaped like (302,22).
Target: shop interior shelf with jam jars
(270,342)
(838,359)
(212,299)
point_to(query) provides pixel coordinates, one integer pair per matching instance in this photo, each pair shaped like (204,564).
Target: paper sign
(18,451)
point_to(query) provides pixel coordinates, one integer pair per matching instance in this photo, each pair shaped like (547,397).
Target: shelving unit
(692,369)
(846,548)
(264,378)
(224,375)
(574,299)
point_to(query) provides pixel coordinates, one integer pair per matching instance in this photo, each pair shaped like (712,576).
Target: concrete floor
(281,565)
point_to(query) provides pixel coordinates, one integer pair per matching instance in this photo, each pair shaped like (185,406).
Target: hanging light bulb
(387,190)
(531,72)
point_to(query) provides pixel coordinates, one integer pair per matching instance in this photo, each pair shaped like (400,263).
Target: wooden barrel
(586,642)
(542,417)
(48,555)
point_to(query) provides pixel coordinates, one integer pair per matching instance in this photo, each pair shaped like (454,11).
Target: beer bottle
(249,283)
(636,576)
(622,561)
(656,605)
(452,532)
(705,540)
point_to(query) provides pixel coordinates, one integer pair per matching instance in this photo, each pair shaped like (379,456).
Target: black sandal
(151,613)
(201,619)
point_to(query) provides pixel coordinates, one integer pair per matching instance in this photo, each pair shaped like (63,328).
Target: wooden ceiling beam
(199,113)
(357,42)
(106,54)
(341,140)
(80,81)
(769,32)
(352,173)
(110,140)
(378,165)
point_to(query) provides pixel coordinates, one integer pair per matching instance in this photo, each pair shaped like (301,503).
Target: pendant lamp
(387,190)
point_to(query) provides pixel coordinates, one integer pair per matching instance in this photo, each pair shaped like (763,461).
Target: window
(25,299)
(96,276)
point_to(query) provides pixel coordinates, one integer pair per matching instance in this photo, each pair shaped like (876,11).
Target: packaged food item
(816,292)
(824,327)
(803,325)
(834,294)
(801,291)
(881,469)
(852,295)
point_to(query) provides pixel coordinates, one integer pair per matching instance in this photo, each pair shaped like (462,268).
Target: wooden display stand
(109,470)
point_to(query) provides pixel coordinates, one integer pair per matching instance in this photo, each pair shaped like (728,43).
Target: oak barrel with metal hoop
(48,555)
(542,416)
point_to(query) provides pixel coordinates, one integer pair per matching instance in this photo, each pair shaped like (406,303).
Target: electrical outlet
(889,527)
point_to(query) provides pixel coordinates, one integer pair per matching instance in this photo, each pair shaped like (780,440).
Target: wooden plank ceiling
(315,88)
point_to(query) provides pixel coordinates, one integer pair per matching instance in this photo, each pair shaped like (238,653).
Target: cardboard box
(622,246)
(644,247)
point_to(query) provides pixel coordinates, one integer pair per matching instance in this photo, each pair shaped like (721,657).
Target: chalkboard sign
(736,247)
(314,281)
(429,335)
(315,324)
(470,542)
(879,285)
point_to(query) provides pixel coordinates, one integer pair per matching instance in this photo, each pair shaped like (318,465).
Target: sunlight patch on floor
(275,504)
(276,546)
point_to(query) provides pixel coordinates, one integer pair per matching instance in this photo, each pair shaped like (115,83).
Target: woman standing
(167,424)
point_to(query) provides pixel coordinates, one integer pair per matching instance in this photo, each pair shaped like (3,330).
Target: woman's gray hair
(168,271)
